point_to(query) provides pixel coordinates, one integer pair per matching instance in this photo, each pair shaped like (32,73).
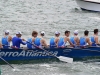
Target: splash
(16,69)
(45,65)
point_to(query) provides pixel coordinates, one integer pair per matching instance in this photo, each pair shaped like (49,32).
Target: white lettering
(10,54)
(2,54)
(55,53)
(28,53)
(15,54)
(6,54)
(22,53)
(34,54)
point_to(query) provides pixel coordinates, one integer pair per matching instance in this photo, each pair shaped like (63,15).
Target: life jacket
(29,45)
(72,40)
(52,42)
(61,42)
(82,41)
(93,41)
(5,42)
(37,41)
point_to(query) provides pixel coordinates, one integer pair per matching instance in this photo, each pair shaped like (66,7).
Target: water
(54,68)
(50,16)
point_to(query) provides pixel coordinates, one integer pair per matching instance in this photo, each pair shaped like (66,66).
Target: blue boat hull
(76,53)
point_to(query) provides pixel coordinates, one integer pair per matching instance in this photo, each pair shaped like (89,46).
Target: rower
(43,41)
(6,39)
(54,40)
(85,39)
(16,41)
(95,38)
(75,38)
(29,41)
(62,41)
(38,41)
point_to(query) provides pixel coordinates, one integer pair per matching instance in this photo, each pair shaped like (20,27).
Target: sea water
(49,16)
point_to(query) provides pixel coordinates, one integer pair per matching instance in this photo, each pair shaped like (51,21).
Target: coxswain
(95,38)
(54,40)
(75,38)
(62,41)
(6,40)
(17,41)
(84,41)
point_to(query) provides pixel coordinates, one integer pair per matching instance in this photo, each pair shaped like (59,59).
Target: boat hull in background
(89,5)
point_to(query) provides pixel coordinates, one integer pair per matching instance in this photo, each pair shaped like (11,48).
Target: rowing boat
(90,5)
(36,54)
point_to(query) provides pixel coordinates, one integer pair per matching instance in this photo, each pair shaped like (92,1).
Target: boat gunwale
(54,48)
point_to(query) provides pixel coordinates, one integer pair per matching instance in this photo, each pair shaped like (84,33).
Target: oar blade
(65,59)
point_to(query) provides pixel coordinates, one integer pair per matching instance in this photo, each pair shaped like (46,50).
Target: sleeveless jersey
(52,42)
(72,40)
(5,42)
(61,42)
(37,42)
(29,46)
(93,41)
(82,41)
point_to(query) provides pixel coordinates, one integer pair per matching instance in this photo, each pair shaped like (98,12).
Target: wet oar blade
(65,59)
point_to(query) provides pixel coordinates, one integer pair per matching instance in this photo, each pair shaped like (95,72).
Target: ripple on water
(76,68)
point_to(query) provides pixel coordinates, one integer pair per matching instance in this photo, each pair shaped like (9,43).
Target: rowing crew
(56,41)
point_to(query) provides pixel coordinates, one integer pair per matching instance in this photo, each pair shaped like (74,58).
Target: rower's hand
(23,39)
(73,45)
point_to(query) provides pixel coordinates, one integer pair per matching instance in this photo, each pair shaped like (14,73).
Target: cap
(42,32)
(57,32)
(19,32)
(76,32)
(6,31)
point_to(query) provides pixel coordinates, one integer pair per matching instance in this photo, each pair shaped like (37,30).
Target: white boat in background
(91,5)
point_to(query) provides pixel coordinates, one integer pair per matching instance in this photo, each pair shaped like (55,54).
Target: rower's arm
(1,45)
(44,43)
(96,40)
(70,42)
(56,41)
(24,43)
(77,41)
(33,39)
(89,42)
(9,38)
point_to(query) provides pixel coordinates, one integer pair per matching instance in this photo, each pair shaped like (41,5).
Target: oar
(7,63)
(61,58)
(5,60)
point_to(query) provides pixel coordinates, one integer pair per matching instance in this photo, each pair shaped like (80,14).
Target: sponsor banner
(29,53)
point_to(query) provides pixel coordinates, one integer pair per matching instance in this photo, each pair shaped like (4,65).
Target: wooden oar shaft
(7,62)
